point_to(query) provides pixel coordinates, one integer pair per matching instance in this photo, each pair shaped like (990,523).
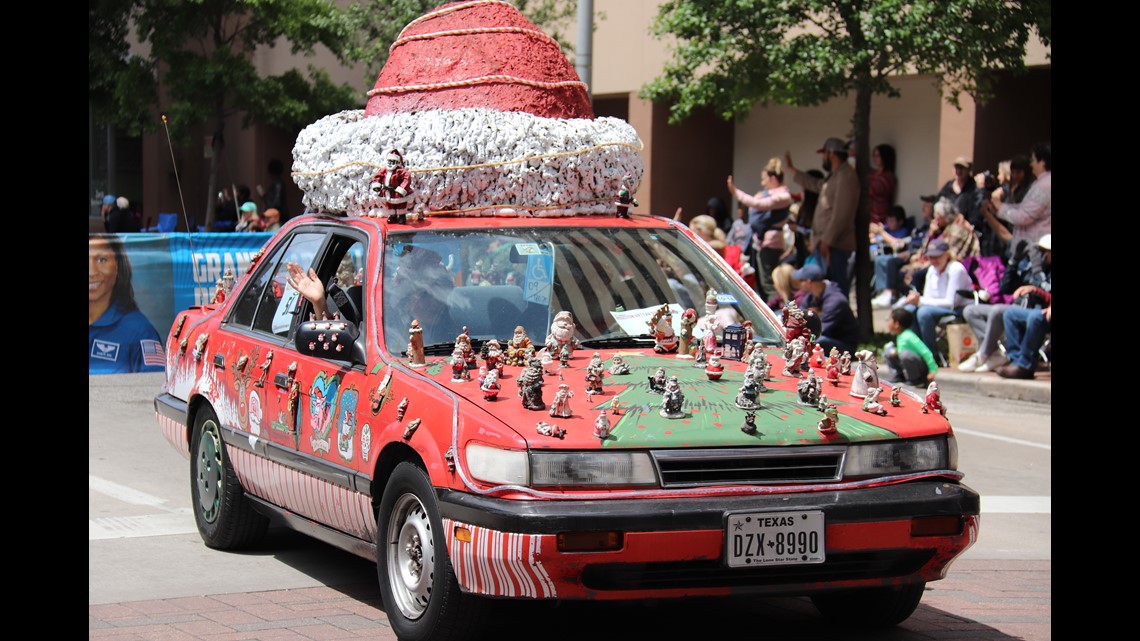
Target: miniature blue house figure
(733,347)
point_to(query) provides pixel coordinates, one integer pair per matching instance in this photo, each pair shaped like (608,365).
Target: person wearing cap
(839,328)
(939,298)
(833,226)
(108,205)
(250,221)
(121,220)
(1029,273)
(1032,218)
(962,189)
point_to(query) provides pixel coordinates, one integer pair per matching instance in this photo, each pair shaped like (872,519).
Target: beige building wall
(625,55)
(927,132)
(927,135)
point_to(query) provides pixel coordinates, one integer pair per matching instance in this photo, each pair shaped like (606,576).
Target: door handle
(220,361)
(281,380)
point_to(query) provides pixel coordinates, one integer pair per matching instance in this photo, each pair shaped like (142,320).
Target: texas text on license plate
(774,538)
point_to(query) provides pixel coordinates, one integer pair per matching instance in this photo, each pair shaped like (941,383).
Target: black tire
(870,607)
(421,596)
(225,517)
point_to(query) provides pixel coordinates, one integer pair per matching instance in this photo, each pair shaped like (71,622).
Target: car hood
(711,416)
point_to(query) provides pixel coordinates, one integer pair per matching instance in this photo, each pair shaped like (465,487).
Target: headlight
(593,469)
(897,457)
(497,466)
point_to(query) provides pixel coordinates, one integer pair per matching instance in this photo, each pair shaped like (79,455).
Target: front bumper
(675,547)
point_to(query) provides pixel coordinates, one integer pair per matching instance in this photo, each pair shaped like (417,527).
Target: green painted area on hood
(712,417)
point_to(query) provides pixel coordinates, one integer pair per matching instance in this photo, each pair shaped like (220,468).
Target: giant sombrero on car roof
(490,116)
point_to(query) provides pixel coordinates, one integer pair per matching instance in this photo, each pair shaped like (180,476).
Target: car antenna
(178,181)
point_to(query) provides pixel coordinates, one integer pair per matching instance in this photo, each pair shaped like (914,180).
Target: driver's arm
(309,286)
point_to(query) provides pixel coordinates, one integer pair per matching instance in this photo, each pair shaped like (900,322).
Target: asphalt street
(150,577)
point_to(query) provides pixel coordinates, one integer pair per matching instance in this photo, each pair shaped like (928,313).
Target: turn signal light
(948,525)
(589,541)
(462,534)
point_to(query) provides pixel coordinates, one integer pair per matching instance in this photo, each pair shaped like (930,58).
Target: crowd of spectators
(980,228)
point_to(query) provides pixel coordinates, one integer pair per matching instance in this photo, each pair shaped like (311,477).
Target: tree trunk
(862,125)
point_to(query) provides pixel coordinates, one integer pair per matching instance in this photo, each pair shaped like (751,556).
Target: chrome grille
(689,468)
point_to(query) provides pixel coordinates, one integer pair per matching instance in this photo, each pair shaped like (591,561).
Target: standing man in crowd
(833,228)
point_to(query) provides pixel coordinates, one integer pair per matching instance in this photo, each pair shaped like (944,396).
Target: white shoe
(971,364)
(883,300)
(996,360)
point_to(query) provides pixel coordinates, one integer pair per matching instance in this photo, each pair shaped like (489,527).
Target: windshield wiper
(644,340)
(437,349)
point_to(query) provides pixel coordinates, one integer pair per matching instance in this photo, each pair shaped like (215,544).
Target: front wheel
(421,596)
(870,607)
(226,519)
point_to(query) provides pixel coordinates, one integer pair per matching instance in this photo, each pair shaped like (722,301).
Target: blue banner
(171,272)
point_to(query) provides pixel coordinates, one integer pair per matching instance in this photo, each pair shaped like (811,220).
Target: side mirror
(332,339)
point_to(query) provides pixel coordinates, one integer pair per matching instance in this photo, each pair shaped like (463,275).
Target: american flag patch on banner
(152,353)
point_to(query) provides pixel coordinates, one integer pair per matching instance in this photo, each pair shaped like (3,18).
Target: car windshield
(492,281)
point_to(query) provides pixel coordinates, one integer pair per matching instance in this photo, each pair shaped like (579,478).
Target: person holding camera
(1031,218)
(1028,274)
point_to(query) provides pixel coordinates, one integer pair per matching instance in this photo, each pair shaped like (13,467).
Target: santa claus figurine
(714,370)
(561,333)
(661,326)
(833,372)
(933,400)
(393,185)
(625,200)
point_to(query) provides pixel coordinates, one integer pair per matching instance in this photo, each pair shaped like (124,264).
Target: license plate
(774,538)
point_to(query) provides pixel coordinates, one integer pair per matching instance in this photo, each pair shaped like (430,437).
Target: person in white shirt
(939,296)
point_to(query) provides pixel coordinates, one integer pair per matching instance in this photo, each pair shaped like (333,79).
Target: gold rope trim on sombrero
(447,10)
(477,81)
(471,32)
(516,207)
(497,163)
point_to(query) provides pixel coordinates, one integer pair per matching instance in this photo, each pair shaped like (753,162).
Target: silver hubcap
(210,472)
(411,556)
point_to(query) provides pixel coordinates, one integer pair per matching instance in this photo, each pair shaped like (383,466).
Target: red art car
(510,398)
(333,428)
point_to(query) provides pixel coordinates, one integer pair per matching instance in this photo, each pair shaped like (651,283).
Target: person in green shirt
(908,357)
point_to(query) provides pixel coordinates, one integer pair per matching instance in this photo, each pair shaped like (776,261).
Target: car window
(494,280)
(346,285)
(269,304)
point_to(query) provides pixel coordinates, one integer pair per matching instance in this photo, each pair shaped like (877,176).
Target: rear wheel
(421,595)
(870,607)
(226,519)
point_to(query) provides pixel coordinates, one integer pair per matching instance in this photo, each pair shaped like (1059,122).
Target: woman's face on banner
(103,272)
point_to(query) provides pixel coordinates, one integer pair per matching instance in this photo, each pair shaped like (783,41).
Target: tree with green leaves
(731,55)
(201,54)
(377,23)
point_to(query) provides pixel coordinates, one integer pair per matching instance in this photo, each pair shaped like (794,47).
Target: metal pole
(584,51)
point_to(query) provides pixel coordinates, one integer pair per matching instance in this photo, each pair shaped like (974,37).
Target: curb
(1034,391)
